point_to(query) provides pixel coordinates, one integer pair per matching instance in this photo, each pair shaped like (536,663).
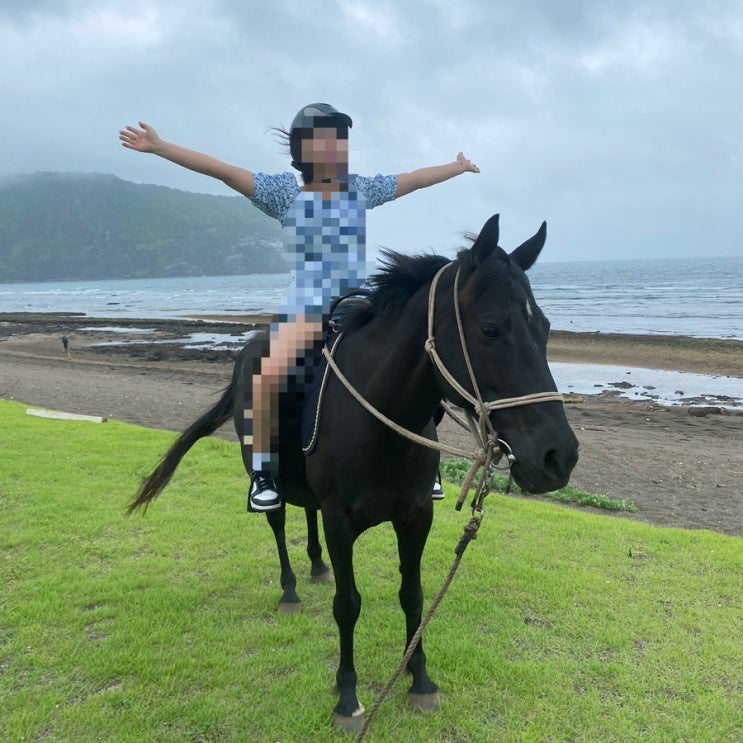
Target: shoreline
(711,356)
(40,334)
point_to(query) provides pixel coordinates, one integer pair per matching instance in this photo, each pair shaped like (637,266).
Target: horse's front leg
(319,572)
(289,603)
(411,539)
(348,714)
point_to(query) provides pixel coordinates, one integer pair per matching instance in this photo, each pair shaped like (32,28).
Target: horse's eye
(489,330)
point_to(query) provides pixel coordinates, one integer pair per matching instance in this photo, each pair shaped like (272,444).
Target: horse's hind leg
(411,539)
(289,602)
(319,572)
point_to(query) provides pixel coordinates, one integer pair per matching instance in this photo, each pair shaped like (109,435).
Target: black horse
(361,472)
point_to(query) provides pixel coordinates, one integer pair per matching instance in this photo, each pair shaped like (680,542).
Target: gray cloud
(620,123)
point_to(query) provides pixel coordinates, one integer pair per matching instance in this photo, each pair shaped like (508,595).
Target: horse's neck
(392,368)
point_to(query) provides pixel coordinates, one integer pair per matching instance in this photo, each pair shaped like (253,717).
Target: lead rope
(485,457)
(469,534)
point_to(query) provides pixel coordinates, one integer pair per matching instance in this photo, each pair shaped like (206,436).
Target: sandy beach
(681,465)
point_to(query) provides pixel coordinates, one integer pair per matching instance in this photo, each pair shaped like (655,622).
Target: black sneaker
(437,492)
(264,494)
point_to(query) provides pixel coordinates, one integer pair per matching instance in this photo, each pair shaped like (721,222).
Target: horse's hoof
(325,577)
(352,724)
(289,607)
(424,702)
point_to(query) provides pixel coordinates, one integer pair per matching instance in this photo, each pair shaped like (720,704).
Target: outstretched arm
(146,139)
(409,182)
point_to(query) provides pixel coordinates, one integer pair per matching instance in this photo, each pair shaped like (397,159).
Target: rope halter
(482,430)
(481,407)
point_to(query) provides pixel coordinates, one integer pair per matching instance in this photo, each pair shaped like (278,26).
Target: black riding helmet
(305,119)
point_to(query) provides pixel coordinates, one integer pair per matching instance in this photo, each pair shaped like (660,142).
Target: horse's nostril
(561,465)
(552,462)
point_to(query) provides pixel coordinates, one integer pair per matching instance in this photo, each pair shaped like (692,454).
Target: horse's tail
(204,426)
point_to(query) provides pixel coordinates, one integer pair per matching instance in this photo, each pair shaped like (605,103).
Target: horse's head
(506,338)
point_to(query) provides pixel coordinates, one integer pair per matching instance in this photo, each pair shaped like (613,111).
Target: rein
(484,433)
(417,438)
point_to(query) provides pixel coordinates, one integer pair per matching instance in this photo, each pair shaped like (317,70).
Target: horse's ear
(525,256)
(487,241)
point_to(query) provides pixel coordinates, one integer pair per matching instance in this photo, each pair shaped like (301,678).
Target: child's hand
(141,140)
(467,165)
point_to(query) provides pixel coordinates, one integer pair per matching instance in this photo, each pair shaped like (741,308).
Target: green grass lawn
(560,626)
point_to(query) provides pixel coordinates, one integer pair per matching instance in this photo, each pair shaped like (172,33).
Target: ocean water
(699,298)
(150,298)
(695,297)
(649,385)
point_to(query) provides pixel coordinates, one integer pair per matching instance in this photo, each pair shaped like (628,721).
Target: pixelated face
(325,146)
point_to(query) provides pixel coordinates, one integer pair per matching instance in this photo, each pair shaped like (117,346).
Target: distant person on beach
(324,221)
(66,346)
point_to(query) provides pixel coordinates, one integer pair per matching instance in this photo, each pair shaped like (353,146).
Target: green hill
(80,226)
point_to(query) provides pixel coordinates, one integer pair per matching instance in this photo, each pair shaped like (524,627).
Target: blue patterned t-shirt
(325,235)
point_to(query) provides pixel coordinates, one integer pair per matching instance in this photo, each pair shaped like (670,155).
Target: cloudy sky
(619,122)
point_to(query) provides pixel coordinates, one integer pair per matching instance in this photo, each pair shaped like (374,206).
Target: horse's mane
(400,278)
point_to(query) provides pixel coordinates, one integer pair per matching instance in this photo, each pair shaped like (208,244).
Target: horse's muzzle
(543,469)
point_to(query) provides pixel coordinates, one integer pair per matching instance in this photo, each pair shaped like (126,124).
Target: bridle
(481,407)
